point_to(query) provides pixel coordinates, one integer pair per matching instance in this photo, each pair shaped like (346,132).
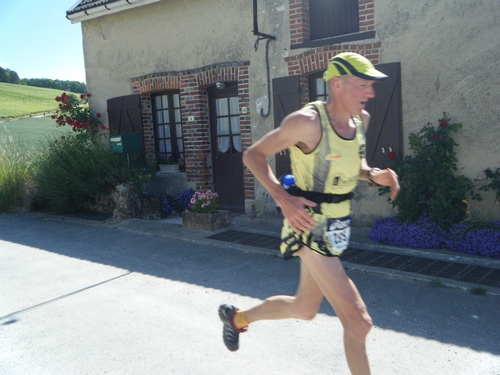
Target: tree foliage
(10,76)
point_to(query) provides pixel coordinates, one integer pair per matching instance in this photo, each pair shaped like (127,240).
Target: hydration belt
(318,197)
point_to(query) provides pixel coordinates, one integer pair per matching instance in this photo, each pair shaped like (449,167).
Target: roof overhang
(79,13)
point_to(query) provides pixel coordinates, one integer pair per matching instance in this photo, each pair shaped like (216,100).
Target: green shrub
(430,184)
(14,174)
(70,172)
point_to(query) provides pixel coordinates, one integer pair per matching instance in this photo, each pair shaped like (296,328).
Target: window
(317,87)
(167,122)
(228,125)
(331,18)
(316,23)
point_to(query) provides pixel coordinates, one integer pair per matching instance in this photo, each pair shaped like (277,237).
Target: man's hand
(293,209)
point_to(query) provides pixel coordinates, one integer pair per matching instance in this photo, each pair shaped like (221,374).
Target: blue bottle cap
(288,180)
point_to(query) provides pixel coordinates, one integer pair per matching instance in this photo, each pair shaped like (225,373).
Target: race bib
(338,232)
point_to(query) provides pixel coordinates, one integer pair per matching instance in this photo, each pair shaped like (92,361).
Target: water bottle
(288,181)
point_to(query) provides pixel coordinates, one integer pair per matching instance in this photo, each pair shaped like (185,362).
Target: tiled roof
(84,10)
(83,5)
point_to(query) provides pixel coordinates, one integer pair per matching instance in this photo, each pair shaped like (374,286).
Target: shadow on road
(443,314)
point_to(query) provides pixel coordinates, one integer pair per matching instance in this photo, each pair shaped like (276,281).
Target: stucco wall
(450,59)
(448,49)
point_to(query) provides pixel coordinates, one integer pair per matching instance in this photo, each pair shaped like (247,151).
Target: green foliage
(204,202)
(430,184)
(8,76)
(73,86)
(19,100)
(70,172)
(14,174)
(75,112)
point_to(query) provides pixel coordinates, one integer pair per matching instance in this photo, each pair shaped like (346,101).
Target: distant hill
(20,100)
(10,76)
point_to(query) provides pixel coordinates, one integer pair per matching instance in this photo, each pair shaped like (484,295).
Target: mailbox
(125,143)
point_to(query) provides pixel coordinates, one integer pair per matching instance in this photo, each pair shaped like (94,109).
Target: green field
(30,131)
(19,100)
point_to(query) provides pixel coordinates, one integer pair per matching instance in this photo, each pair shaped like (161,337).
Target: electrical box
(126,143)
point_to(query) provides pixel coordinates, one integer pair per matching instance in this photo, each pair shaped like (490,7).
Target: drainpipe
(261,36)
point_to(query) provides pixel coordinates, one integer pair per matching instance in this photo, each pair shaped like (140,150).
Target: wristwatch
(369,175)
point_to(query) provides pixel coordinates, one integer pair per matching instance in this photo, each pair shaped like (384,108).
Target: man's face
(356,92)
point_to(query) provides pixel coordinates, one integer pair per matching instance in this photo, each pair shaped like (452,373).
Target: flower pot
(218,220)
(169,168)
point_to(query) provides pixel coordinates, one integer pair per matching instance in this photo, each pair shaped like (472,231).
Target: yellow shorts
(317,239)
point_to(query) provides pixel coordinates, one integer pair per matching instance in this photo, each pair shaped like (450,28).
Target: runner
(327,153)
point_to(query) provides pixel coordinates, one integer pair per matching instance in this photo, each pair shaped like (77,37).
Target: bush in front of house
(179,203)
(15,174)
(425,234)
(71,171)
(433,212)
(430,184)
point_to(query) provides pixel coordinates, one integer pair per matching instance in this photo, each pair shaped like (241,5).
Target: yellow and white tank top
(333,166)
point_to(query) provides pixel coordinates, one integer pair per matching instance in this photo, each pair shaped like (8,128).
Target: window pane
(166,130)
(234,106)
(168,145)
(159,117)
(177,115)
(158,102)
(177,102)
(178,131)
(237,143)
(223,144)
(221,105)
(166,119)
(320,87)
(222,126)
(164,99)
(235,125)
(180,146)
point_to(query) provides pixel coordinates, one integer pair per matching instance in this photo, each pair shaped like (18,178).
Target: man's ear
(336,83)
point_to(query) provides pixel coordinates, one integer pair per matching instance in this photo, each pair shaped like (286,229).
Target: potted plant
(202,213)
(168,164)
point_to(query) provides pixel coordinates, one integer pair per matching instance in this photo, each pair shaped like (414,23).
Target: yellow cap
(349,63)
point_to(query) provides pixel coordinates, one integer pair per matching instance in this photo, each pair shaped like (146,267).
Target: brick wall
(193,86)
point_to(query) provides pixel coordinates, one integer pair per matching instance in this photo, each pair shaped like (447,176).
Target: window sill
(335,40)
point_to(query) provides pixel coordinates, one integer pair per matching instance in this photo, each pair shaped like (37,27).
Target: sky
(38,41)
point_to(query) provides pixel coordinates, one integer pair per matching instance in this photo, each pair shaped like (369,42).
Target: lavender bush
(179,203)
(424,234)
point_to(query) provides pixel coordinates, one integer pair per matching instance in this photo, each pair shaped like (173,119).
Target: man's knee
(359,326)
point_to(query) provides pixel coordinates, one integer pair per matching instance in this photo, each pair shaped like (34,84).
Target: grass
(30,131)
(19,100)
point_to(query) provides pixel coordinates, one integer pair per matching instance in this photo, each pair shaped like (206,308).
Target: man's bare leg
(304,305)
(345,299)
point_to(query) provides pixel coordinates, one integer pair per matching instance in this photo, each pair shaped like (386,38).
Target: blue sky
(38,41)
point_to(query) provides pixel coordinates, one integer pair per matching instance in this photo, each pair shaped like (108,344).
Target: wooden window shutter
(286,99)
(385,131)
(124,114)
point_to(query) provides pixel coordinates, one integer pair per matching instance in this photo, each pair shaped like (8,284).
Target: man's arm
(385,177)
(298,127)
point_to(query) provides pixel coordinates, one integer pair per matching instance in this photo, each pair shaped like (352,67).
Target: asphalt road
(77,298)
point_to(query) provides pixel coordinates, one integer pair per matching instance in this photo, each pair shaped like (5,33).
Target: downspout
(261,36)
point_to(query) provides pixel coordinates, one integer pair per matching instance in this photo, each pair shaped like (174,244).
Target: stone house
(202,79)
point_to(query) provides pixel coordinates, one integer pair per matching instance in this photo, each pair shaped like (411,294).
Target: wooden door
(286,99)
(227,163)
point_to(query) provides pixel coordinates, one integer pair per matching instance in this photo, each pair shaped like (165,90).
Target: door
(286,98)
(227,163)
